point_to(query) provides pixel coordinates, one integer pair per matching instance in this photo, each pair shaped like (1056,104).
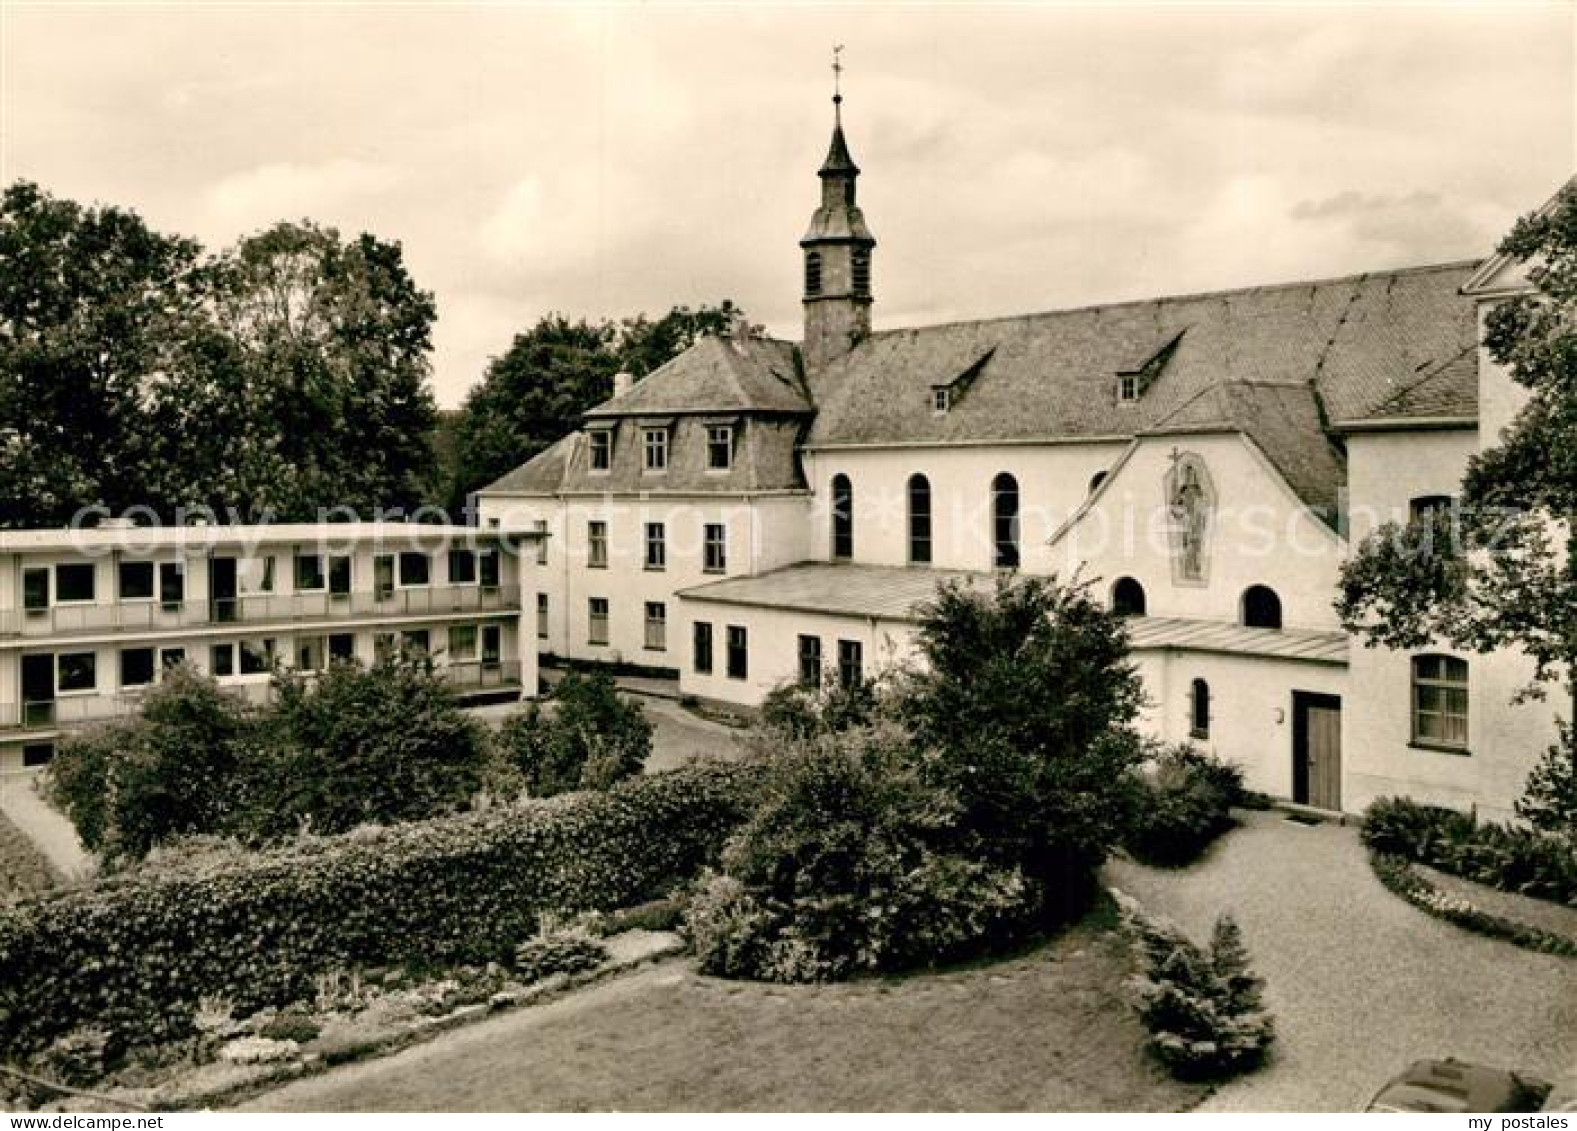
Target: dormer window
(601,449)
(719,447)
(941,401)
(1128,387)
(655,444)
(812,273)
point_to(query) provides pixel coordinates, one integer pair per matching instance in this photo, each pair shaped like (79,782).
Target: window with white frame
(597,620)
(74,583)
(601,441)
(656,546)
(656,626)
(719,447)
(462,643)
(136,667)
(654,442)
(597,544)
(135,581)
(309,572)
(1440,702)
(76,672)
(714,557)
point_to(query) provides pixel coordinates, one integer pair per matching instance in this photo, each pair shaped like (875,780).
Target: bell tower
(837,251)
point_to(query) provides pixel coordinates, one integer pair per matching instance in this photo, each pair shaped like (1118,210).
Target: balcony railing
(82,710)
(255,608)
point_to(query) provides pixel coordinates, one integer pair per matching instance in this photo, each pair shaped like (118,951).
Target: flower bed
(1398,874)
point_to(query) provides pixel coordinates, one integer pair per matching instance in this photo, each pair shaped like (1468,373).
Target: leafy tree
(1025,701)
(170,771)
(534,393)
(589,738)
(93,306)
(1502,572)
(376,745)
(312,382)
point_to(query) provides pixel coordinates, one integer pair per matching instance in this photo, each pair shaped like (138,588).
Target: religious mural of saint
(1190,498)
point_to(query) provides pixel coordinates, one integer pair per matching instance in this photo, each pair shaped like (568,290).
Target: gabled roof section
(1358,340)
(1283,421)
(717,375)
(543,474)
(1501,275)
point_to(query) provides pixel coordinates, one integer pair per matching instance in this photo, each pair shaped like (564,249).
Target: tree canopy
(281,376)
(534,393)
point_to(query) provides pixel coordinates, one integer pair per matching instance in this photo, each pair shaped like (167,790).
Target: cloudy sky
(610,160)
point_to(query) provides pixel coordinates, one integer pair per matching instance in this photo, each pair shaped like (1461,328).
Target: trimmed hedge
(135,954)
(1514,859)
(1397,874)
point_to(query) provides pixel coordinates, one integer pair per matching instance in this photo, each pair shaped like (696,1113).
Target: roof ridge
(1189,296)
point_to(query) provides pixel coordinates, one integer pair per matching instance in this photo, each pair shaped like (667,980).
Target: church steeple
(837,251)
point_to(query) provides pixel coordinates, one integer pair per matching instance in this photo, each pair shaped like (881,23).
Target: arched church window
(1261,607)
(842,517)
(1004,520)
(1127,597)
(813,272)
(919,520)
(1096,480)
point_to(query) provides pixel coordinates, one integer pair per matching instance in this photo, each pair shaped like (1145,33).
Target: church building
(757,511)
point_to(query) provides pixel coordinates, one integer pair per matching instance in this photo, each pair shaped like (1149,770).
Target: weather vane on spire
(837,72)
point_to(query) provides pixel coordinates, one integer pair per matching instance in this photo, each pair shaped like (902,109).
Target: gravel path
(1361,983)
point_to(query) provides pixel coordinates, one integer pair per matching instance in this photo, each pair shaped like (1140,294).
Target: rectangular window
(492,646)
(941,401)
(810,661)
(256,575)
(540,528)
(309,653)
(601,448)
(221,659)
(416,641)
(597,545)
(487,568)
(719,447)
(35,589)
(136,667)
(383,577)
(462,567)
(542,616)
(37,754)
(597,620)
(738,652)
(656,546)
(851,656)
(339,575)
(136,581)
(1128,388)
(1440,701)
(74,582)
(655,442)
(342,646)
(172,584)
(656,626)
(715,548)
(309,573)
(415,568)
(703,647)
(171,658)
(257,657)
(462,642)
(383,646)
(76,671)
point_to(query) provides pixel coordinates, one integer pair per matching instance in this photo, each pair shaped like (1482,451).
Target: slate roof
(717,375)
(895,593)
(543,474)
(1361,341)
(1283,420)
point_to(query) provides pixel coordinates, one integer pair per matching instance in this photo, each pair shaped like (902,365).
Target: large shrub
(170,771)
(1202,1007)
(1024,705)
(134,954)
(1549,800)
(589,738)
(1522,860)
(356,745)
(801,711)
(348,746)
(1186,803)
(837,872)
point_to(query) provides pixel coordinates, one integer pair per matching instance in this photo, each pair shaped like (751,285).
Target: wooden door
(1317,750)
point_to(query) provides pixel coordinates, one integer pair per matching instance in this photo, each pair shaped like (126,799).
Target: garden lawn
(1048,1030)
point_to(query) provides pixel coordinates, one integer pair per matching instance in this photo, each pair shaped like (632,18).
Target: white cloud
(332,191)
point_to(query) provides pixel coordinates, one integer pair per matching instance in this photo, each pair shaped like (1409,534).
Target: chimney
(622,383)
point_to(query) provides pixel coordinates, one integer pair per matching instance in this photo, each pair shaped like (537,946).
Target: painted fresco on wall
(1190,502)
